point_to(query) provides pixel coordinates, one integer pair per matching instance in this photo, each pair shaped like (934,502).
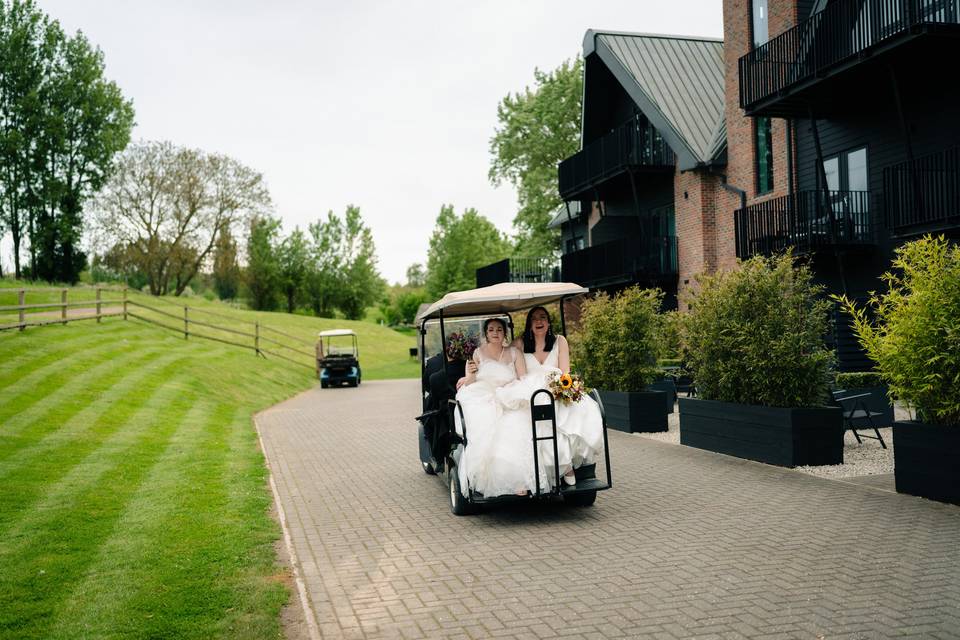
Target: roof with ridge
(677,82)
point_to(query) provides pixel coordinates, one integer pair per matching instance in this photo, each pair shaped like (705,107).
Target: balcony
(652,259)
(923,195)
(804,221)
(518,270)
(783,75)
(633,145)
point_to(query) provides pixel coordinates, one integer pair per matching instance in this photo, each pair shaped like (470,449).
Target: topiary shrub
(859,380)
(916,339)
(615,346)
(754,335)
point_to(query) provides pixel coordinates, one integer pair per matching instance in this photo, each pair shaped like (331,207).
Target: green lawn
(134,500)
(384,353)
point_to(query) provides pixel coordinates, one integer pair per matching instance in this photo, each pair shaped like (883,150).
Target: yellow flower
(566,381)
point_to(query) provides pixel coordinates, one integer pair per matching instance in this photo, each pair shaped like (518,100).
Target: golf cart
(337,358)
(442,440)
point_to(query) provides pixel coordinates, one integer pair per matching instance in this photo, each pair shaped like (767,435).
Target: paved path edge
(312,627)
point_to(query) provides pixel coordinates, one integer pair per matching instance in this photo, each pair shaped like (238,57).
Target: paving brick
(688,544)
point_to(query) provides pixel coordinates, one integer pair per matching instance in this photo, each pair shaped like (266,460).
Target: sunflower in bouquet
(460,346)
(566,387)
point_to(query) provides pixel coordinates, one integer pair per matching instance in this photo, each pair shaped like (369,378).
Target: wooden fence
(191,322)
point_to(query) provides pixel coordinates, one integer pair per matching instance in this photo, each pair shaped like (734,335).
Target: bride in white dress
(498,458)
(580,424)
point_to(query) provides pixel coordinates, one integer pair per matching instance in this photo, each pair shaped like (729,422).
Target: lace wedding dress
(498,458)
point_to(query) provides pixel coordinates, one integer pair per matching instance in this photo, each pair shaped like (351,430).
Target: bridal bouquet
(566,387)
(460,346)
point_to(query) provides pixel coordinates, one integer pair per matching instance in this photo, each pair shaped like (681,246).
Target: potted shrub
(668,363)
(615,347)
(856,383)
(915,341)
(753,339)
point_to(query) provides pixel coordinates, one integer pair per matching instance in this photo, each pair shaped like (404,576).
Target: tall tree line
(332,267)
(61,124)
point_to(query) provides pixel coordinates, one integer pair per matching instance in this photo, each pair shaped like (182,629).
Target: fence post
(98,305)
(124,303)
(256,338)
(21,300)
(186,325)
(63,307)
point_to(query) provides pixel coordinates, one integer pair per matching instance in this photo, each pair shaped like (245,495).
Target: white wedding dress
(498,458)
(579,424)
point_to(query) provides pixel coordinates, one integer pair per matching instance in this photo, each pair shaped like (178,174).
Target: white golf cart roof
(500,298)
(336,332)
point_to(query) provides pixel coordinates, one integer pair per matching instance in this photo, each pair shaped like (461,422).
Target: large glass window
(760,28)
(763,148)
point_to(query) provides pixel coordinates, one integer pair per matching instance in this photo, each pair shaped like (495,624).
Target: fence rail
(186,324)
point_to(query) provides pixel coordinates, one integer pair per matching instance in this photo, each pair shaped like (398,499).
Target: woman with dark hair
(498,459)
(579,425)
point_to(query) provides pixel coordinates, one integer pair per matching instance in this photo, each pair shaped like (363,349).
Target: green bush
(669,339)
(615,345)
(916,339)
(754,335)
(859,380)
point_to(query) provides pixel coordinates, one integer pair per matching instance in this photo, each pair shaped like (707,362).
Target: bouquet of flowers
(566,387)
(460,346)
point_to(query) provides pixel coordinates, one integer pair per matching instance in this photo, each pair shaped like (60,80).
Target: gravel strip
(864,459)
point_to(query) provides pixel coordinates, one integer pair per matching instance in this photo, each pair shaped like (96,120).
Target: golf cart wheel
(585,499)
(324,385)
(458,504)
(428,469)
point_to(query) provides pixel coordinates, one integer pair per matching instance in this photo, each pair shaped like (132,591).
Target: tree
(360,283)
(415,275)
(458,247)
(294,262)
(537,129)
(61,124)
(226,271)
(169,203)
(263,265)
(323,276)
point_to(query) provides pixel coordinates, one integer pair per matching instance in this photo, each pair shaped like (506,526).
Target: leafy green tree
(294,258)
(400,304)
(416,277)
(263,264)
(226,271)
(86,123)
(323,276)
(458,247)
(360,284)
(537,129)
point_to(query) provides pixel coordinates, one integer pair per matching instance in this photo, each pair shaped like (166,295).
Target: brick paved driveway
(687,544)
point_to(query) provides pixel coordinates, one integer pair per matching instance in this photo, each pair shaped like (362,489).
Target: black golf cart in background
(338,358)
(441,442)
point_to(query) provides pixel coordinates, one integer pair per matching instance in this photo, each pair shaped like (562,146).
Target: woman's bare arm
(520,363)
(563,356)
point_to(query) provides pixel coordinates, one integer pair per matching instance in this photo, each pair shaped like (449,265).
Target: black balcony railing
(843,31)
(923,194)
(633,144)
(649,259)
(518,270)
(804,221)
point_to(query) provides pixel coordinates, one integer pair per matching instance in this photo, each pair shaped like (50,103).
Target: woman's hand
(472,368)
(461,382)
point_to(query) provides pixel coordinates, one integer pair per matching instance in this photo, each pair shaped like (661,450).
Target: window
(848,192)
(760,27)
(763,150)
(575,244)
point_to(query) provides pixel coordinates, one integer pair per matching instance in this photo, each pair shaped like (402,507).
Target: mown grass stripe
(50,548)
(20,355)
(131,560)
(75,383)
(51,458)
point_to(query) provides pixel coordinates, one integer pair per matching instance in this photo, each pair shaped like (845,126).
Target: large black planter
(788,437)
(669,387)
(926,460)
(635,411)
(878,402)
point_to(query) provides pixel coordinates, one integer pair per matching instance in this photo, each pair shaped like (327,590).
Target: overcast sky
(386,105)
